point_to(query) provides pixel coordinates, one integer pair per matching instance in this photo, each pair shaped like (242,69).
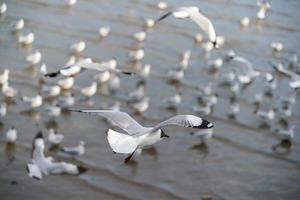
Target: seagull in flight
(194,14)
(135,136)
(41,165)
(87,63)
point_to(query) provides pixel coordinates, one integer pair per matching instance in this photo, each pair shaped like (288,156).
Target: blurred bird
(9,91)
(26,39)
(4,76)
(51,90)
(33,102)
(277,46)
(90,90)
(194,14)
(41,165)
(34,58)
(264,6)
(78,47)
(173,101)
(76,150)
(104,31)
(54,138)
(140,106)
(70,2)
(139,36)
(137,55)
(11,135)
(19,25)
(3,8)
(162,5)
(144,73)
(66,83)
(245,21)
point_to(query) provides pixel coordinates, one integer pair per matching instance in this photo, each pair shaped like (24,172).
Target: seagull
(139,36)
(19,25)
(43,69)
(34,58)
(137,55)
(264,6)
(78,47)
(295,78)
(4,77)
(53,111)
(114,106)
(176,75)
(41,165)
(9,91)
(3,8)
(234,107)
(205,109)
(87,63)
(173,101)
(34,102)
(215,64)
(51,90)
(137,94)
(66,101)
(267,116)
(162,5)
(75,151)
(149,23)
(203,134)
(3,109)
(245,21)
(71,61)
(194,14)
(70,2)
(90,90)
(277,46)
(144,73)
(135,136)
(114,83)
(54,138)
(104,31)
(26,39)
(140,106)
(66,83)
(11,135)
(185,59)
(102,77)
(198,38)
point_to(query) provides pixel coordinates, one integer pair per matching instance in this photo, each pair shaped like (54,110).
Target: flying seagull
(194,14)
(45,165)
(87,63)
(135,136)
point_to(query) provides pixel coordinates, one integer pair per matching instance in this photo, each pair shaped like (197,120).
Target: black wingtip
(52,74)
(215,44)
(129,73)
(81,170)
(163,17)
(205,125)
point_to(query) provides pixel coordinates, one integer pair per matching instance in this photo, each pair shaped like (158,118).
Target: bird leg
(128,158)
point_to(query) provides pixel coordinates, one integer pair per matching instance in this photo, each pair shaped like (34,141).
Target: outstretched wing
(103,67)
(190,121)
(34,171)
(205,24)
(120,119)
(164,16)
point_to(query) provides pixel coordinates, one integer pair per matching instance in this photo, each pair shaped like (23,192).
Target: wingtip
(52,74)
(39,135)
(81,170)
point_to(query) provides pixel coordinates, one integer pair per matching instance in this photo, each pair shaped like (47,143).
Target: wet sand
(237,163)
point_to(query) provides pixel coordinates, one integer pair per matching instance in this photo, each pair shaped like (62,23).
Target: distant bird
(3,8)
(162,5)
(176,75)
(41,165)
(149,23)
(66,101)
(204,109)
(203,134)
(137,55)
(198,38)
(11,135)
(51,90)
(87,63)
(4,76)
(70,2)
(185,59)
(33,102)
(114,106)
(194,14)
(3,109)
(245,21)
(43,69)
(54,138)
(215,64)
(267,116)
(277,46)
(136,137)
(9,91)
(76,150)
(19,25)
(52,110)
(66,83)
(89,91)
(173,101)
(34,58)
(104,31)
(26,39)
(78,47)
(140,106)
(114,83)
(102,77)
(264,6)
(294,77)
(139,36)
(137,94)
(145,72)
(234,107)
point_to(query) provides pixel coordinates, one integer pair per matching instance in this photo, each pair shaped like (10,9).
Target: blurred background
(240,161)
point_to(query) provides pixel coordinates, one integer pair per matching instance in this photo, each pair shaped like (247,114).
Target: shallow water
(238,163)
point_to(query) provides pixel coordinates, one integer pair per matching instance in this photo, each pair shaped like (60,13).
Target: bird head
(163,134)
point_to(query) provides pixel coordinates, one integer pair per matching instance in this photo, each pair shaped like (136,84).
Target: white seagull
(76,150)
(54,138)
(78,47)
(26,39)
(4,77)
(34,102)
(34,58)
(11,135)
(3,8)
(19,25)
(194,14)
(104,31)
(89,90)
(41,165)
(135,136)
(264,6)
